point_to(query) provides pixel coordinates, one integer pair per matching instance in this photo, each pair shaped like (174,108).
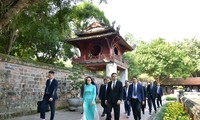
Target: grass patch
(171,98)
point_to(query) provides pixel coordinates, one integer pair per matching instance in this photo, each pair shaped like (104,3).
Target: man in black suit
(145,94)
(151,96)
(127,106)
(50,96)
(136,98)
(159,95)
(102,95)
(114,97)
(81,95)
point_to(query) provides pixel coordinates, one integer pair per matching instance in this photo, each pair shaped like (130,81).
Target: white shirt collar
(114,81)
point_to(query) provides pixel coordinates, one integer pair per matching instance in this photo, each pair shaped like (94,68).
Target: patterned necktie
(113,85)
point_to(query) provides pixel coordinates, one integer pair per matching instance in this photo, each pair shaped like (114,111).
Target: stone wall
(192,108)
(22,84)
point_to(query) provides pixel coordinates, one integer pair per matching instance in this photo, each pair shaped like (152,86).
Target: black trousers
(136,108)
(116,107)
(127,107)
(44,106)
(151,101)
(159,100)
(143,106)
(104,106)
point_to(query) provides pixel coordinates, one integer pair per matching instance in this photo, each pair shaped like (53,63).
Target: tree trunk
(9,8)
(13,35)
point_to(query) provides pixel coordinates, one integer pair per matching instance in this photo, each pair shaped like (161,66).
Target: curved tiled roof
(181,81)
(95,28)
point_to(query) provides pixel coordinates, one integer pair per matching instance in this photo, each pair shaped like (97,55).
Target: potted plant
(75,85)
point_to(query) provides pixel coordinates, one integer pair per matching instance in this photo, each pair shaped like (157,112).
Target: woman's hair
(92,80)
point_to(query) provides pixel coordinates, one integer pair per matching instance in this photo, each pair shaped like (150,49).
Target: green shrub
(159,115)
(169,98)
(175,111)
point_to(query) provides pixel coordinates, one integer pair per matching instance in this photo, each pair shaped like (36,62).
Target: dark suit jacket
(96,88)
(116,94)
(82,90)
(145,92)
(125,97)
(160,91)
(151,92)
(102,92)
(52,89)
(140,92)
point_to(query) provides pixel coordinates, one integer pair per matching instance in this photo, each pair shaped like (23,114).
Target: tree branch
(14,8)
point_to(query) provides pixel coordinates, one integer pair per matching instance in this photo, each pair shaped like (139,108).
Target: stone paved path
(67,115)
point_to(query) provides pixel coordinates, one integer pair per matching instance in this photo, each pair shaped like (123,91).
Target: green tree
(162,60)
(134,68)
(192,49)
(42,28)
(10,8)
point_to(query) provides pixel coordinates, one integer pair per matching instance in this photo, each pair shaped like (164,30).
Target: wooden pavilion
(101,48)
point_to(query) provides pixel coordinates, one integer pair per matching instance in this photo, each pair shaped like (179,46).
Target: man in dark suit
(114,97)
(95,86)
(127,106)
(136,98)
(145,94)
(151,96)
(102,95)
(159,95)
(50,96)
(81,95)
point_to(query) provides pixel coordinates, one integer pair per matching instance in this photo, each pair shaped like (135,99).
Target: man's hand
(143,102)
(50,99)
(106,102)
(118,102)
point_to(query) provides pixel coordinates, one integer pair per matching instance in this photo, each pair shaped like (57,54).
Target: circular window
(116,51)
(96,49)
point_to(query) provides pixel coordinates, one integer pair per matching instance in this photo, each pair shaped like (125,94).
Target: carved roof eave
(96,31)
(122,41)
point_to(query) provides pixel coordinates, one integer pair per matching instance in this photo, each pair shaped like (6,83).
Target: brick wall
(22,84)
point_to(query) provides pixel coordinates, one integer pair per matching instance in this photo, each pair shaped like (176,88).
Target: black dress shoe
(102,115)
(149,113)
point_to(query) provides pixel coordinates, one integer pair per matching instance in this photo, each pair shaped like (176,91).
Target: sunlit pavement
(76,115)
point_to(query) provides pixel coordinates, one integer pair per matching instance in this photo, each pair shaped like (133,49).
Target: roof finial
(113,24)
